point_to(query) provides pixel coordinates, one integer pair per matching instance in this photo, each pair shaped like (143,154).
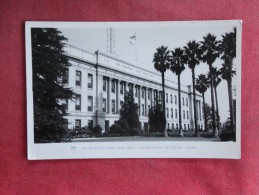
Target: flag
(133,40)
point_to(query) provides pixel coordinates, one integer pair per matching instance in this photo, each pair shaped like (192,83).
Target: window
(149,94)
(77,124)
(136,92)
(104,105)
(113,86)
(149,108)
(184,126)
(65,76)
(176,125)
(183,114)
(186,102)
(90,124)
(121,88)
(113,106)
(143,109)
(65,104)
(175,100)
(188,126)
(167,113)
(78,102)
(90,103)
(187,114)
(175,113)
(90,81)
(166,98)
(172,125)
(183,101)
(78,78)
(172,113)
(104,84)
(143,92)
(171,97)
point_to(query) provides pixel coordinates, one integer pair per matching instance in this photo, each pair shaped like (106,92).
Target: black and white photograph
(133,89)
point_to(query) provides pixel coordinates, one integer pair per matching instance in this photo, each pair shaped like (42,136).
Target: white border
(149,149)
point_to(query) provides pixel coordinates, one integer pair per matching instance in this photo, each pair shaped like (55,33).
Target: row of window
(78,124)
(78,81)
(89,103)
(185,113)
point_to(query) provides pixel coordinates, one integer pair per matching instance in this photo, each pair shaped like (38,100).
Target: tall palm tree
(210,48)
(202,84)
(161,61)
(193,53)
(177,62)
(216,80)
(228,51)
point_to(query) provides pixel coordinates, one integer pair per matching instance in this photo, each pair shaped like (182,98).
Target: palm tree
(228,51)
(216,80)
(202,84)
(210,48)
(177,61)
(160,59)
(193,53)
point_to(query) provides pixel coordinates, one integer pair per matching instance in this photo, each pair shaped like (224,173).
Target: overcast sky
(148,38)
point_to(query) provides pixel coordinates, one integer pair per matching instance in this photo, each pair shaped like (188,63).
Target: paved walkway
(121,139)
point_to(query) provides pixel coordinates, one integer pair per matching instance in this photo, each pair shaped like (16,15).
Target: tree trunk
(217,113)
(230,103)
(204,113)
(180,107)
(194,104)
(212,102)
(163,98)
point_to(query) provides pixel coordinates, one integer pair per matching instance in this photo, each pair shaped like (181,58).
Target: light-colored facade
(101,81)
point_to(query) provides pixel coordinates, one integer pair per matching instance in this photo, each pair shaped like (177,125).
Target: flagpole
(136,47)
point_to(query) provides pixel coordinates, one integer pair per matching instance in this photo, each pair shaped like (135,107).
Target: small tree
(129,111)
(157,121)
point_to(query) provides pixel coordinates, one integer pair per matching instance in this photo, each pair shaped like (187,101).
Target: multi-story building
(100,82)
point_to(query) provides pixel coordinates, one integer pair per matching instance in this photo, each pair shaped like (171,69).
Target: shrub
(97,131)
(116,129)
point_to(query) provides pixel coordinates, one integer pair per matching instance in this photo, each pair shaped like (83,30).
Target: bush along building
(100,82)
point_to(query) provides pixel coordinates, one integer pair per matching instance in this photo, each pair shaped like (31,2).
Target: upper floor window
(136,92)
(172,113)
(149,94)
(78,78)
(113,86)
(78,102)
(65,76)
(113,106)
(171,97)
(166,97)
(143,110)
(90,81)
(175,113)
(104,84)
(186,102)
(183,114)
(183,101)
(167,113)
(104,105)
(121,88)
(187,114)
(90,103)
(175,99)
(143,93)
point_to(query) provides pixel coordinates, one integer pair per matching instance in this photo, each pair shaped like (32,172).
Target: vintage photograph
(153,86)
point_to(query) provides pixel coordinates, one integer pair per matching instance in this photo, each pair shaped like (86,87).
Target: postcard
(133,89)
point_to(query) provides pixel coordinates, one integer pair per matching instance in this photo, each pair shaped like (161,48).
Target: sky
(148,38)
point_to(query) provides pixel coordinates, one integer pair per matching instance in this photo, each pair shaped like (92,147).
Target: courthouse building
(101,81)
